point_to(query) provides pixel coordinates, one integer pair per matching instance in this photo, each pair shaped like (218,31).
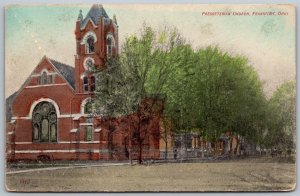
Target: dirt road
(242,175)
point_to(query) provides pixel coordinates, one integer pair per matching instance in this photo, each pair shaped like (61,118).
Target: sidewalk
(49,167)
(13,168)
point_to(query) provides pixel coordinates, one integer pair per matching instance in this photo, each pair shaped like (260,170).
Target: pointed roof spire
(80,17)
(94,14)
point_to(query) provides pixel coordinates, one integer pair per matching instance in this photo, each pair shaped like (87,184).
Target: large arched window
(110,44)
(90,45)
(44,122)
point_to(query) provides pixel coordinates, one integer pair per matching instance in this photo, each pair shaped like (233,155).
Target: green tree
(282,118)
(205,90)
(215,92)
(139,73)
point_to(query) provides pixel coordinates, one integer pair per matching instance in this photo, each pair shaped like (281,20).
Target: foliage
(215,92)
(206,90)
(140,72)
(112,91)
(282,117)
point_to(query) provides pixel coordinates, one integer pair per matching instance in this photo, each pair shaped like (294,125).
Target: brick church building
(48,117)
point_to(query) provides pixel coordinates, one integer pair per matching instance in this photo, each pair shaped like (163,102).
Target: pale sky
(268,41)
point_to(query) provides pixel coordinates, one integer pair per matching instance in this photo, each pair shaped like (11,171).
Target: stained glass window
(44,121)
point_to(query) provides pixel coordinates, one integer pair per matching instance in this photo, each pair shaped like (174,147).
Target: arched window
(110,44)
(90,44)
(88,107)
(89,41)
(44,123)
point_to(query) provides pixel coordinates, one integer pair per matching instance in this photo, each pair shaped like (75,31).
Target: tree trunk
(236,151)
(130,147)
(140,153)
(130,156)
(166,150)
(110,145)
(231,150)
(202,148)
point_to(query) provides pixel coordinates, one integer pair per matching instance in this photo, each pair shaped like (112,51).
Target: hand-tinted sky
(268,41)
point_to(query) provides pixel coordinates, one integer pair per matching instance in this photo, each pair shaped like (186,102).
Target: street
(233,175)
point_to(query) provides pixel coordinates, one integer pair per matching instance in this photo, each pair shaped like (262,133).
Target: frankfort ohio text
(244,13)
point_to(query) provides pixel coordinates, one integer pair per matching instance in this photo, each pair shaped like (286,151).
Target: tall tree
(281,122)
(139,74)
(216,92)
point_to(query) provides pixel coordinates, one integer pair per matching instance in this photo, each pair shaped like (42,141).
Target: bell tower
(96,41)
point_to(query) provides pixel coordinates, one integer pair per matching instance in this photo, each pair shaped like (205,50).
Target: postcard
(150,98)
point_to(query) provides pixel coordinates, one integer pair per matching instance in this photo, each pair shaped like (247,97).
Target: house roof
(95,12)
(66,71)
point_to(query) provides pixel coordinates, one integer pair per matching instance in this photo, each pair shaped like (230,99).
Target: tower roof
(95,12)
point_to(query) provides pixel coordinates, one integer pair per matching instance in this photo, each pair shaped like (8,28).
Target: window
(35,132)
(88,107)
(50,79)
(43,78)
(53,132)
(85,84)
(88,133)
(89,83)
(110,44)
(89,64)
(89,41)
(90,45)
(46,78)
(44,123)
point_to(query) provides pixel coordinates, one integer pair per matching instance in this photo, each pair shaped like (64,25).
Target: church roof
(95,12)
(66,71)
